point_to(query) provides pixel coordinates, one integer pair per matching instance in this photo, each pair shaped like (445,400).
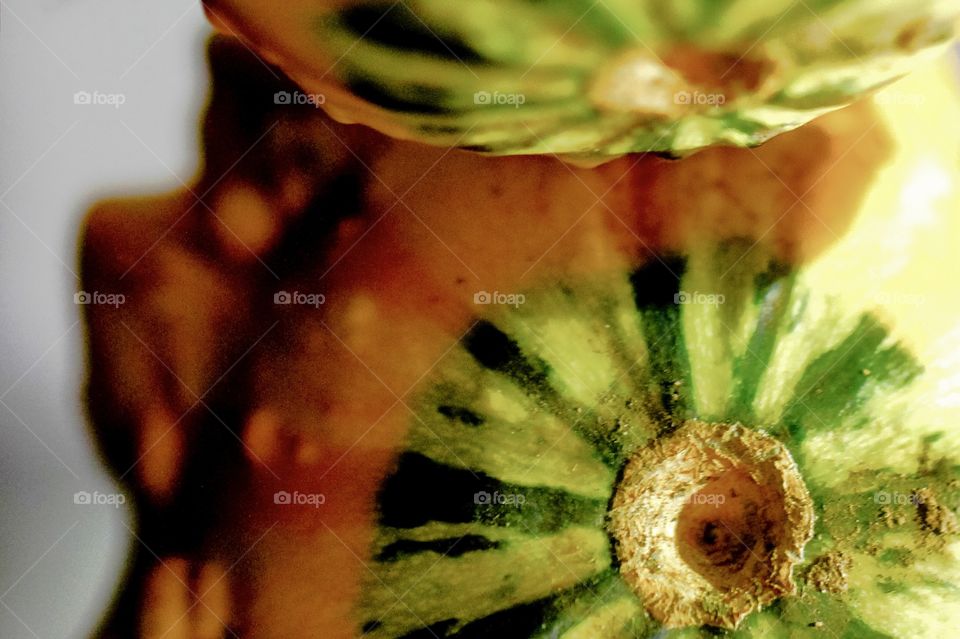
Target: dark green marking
(434,630)
(422,490)
(832,383)
(397,26)
(450,547)
(417,99)
(518,622)
(493,349)
(656,288)
(749,367)
(463,415)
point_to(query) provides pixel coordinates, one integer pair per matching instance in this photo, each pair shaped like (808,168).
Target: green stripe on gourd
(473,585)
(494,448)
(601,79)
(544,441)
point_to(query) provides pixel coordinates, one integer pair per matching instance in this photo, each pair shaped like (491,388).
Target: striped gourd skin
(493,522)
(512,76)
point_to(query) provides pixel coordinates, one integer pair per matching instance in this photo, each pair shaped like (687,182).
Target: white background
(60,562)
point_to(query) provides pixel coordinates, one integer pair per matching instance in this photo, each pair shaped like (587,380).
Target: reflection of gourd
(596,78)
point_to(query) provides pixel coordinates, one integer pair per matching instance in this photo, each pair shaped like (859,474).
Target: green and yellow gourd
(599,434)
(510,513)
(586,78)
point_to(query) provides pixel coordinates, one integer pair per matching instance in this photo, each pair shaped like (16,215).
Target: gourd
(614,456)
(831,359)
(695,443)
(588,79)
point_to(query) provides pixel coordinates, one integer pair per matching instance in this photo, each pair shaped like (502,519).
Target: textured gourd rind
(557,77)
(546,401)
(732,485)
